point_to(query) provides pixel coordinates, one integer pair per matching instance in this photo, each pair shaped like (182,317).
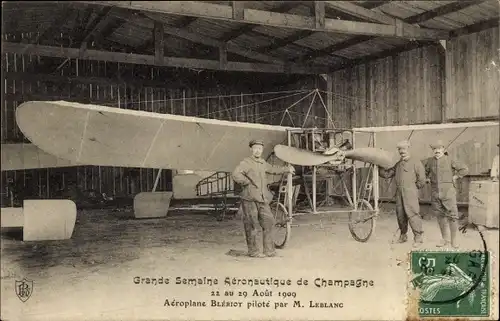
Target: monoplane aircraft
(106,136)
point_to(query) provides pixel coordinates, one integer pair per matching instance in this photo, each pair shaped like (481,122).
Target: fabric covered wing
(28,156)
(468,142)
(106,136)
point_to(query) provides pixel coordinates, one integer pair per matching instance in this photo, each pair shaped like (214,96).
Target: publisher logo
(24,289)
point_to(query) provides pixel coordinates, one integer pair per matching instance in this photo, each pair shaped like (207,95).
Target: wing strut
(157,180)
(409,137)
(456,137)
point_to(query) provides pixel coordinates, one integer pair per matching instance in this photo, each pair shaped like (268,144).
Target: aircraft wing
(107,136)
(28,156)
(463,140)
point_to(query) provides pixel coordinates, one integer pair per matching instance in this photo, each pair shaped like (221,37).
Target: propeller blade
(303,157)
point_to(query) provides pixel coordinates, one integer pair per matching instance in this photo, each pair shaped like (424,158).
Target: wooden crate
(483,203)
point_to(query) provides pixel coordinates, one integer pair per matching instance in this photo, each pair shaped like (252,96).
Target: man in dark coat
(409,175)
(442,173)
(251,174)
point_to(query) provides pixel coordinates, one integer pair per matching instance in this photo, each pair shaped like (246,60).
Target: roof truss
(76,53)
(197,38)
(442,10)
(282,20)
(323,16)
(238,14)
(416,19)
(306,33)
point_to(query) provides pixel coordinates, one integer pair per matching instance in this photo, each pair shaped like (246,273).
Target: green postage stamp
(451,284)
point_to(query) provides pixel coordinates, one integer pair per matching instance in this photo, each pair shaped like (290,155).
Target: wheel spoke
(362,222)
(281,231)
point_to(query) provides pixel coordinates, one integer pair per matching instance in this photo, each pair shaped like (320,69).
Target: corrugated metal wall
(407,89)
(39,78)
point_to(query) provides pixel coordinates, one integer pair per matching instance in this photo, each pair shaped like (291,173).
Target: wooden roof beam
(185,22)
(98,24)
(149,44)
(238,9)
(91,80)
(332,49)
(319,14)
(281,20)
(371,15)
(361,13)
(74,53)
(441,11)
(230,47)
(419,18)
(120,46)
(477,27)
(223,56)
(285,41)
(79,32)
(107,30)
(238,14)
(204,40)
(369,4)
(158,36)
(306,33)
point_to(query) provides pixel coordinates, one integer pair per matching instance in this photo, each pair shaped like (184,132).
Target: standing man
(255,198)
(442,173)
(495,168)
(409,174)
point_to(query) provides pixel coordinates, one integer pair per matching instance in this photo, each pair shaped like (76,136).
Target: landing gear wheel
(362,221)
(282,225)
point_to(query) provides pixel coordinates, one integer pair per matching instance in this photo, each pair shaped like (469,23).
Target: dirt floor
(91,276)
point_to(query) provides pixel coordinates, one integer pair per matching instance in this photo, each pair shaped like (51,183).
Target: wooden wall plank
(474,75)
(406,89)
(394,90)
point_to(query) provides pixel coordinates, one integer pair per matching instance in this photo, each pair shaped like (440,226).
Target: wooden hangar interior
(370,64)
(114,111)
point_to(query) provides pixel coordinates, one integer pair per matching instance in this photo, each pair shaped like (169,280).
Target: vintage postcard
(228,256)
(250,160)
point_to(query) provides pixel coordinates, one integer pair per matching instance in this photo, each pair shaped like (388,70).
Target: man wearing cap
(255,198)
(495,168)
(442,173)
(409,175)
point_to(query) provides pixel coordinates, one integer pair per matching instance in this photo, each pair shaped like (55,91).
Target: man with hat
(255,198)
(495,167)
(409,175)
(442,173)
